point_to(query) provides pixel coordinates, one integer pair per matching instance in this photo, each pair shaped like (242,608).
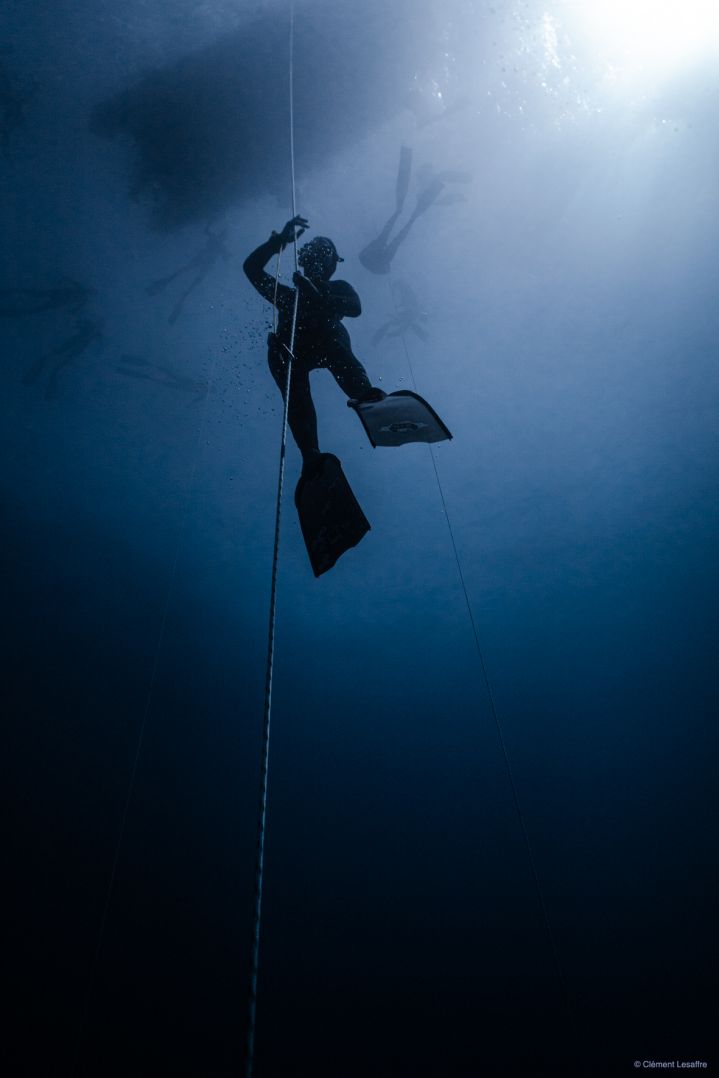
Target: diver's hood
(328,245)
(323,247)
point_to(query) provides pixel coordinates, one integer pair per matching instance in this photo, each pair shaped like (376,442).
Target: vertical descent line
(265,743)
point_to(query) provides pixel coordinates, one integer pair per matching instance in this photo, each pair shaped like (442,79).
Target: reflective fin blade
(331,518)
(400,418)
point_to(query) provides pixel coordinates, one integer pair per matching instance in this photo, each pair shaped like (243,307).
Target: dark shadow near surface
(212,128)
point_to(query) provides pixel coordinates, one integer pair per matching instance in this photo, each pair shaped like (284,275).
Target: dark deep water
(566,328)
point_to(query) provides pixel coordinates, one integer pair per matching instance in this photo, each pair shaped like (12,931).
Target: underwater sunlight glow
(648,38)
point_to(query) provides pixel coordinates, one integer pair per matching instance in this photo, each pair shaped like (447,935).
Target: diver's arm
(254,264)
(254,267)
(337,298)
(341,299)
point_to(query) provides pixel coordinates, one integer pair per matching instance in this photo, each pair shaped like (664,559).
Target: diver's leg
(301,414)
(374,256)
(424,201)
(427,197)
(349,373)
(391,248)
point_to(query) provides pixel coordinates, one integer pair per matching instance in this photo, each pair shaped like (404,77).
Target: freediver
(377,256)
(16,302)
(321,341)
(86,333)
(408,315)
(203,262)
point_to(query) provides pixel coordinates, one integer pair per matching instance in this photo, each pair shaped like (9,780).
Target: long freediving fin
(331,518)
(427,197)
(403,174)
(375,258)
(399,418)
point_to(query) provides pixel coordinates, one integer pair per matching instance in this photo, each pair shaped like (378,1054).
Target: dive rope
(265,743)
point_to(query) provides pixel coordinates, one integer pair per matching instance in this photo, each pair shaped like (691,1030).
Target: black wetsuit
(320,341)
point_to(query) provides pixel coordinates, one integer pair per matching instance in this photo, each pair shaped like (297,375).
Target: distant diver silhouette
(142,369)
(86,333)
(17,302)
(377,256)
(407,318)
(321,341)
(202,263)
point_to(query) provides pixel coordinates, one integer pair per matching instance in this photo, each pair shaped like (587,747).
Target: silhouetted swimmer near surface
(87,332)
(17,302)
(201,264)
(377,256)
(321,341)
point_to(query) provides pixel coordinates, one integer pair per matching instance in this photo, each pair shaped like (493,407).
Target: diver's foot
(312,464)
(371,396)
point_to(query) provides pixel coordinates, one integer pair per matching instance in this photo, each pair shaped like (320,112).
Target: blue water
(571,327)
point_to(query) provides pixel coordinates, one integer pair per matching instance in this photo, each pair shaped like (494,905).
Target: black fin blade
(331,518)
